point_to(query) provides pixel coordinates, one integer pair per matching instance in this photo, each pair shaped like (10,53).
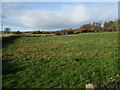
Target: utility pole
(2,17)
(1,45)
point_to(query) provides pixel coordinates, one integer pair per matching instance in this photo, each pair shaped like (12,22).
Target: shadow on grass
(8,40)
(8,66)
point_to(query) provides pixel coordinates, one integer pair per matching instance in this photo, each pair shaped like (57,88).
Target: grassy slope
(60,61)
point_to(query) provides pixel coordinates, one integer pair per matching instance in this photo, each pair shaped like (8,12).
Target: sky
(52,16)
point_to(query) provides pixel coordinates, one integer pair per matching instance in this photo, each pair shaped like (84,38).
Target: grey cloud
(67,17)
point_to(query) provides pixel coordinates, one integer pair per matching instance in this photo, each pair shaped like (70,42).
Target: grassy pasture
(68,61)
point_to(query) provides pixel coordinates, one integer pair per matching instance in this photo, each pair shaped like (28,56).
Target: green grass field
(66,61)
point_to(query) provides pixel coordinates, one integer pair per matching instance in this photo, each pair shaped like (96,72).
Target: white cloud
(67,17)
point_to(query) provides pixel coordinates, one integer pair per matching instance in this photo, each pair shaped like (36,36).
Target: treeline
(12,32)
(40,32)
(109,26)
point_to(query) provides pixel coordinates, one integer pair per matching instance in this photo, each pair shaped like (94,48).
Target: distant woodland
(109,26)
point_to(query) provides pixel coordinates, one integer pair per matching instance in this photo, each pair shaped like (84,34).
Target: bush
(58,33)
(18,32)
(36,32)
